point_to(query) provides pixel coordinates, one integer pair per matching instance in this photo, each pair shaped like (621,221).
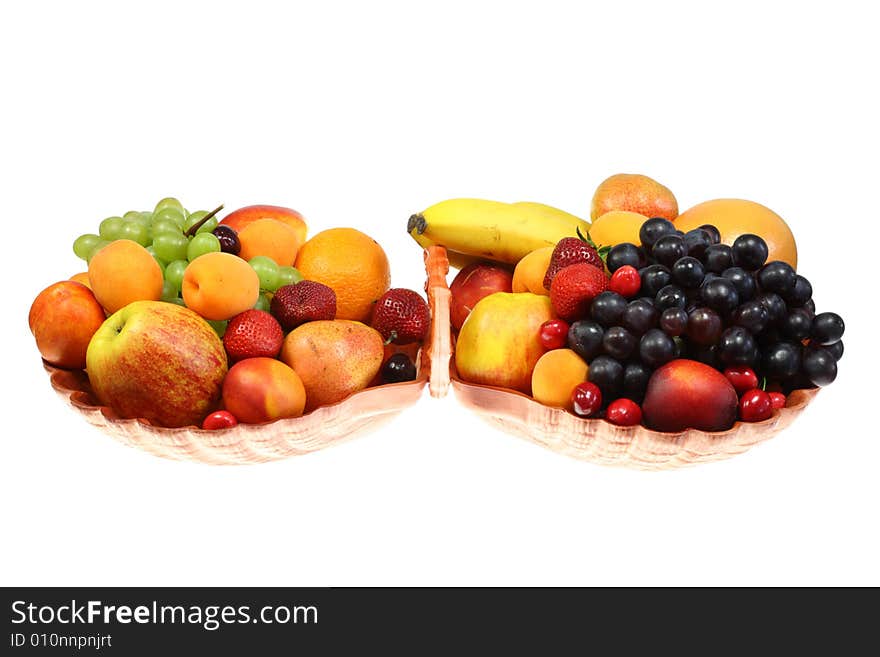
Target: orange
(271,238)
(122,272)
(635,193)
(219,285)
(556,374)
(733,217)
(352,264)
(530,270)
(616,227)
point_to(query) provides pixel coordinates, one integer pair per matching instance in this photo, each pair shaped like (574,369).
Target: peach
(240,218)
(686,394)
(471,284)
(271,238)
(334,358)
(220,285)
(262,390)
(122,272)
(82,277)
(63,318)
(555,375)
(528,276)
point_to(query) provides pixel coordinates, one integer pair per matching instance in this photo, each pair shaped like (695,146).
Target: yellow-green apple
(240,218)
(472,283)
(263,389)
(499,342)
(63,319)
(158,361)
(686,394)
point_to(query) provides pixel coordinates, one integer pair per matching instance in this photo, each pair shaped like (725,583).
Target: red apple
(63,319)
(251,213)
(471,284)
(158,361)
(686,394)
(263,389)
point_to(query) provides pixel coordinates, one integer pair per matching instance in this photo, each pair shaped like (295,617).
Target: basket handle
(440,338)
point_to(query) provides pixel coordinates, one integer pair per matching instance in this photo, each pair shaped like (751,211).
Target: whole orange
(352,264)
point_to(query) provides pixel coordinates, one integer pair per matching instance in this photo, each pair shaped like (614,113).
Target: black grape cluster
(720,304)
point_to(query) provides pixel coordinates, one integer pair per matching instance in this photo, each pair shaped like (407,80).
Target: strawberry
(401,316)
(252,333)
(571,251)
(302,302)
(574,288)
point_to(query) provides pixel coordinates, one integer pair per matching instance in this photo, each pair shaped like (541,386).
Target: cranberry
(755,406)
(625,281)
(554,334)
(623,412)
(586,399)
(743,378)
(777,400)
(220,420)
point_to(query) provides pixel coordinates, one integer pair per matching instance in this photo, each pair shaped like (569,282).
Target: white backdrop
(360,114)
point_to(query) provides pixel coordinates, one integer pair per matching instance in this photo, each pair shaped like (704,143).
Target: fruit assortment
(187,320)
(642,316)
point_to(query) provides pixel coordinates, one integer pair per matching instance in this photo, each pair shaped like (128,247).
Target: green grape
(169,292)
(82,245)
(178,301)
(111,228)
(97,246)
(132,215)
(137,232)
(152,252)
(169,202)
(194,218)
(267,270)
(173,214)
(165,226)
(208,226)
(288,276)
(201,244)
(143,218)
(263,302)
(174,272)
(170,246)
(219,326)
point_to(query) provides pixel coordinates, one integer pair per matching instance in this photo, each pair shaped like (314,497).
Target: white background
(359,114)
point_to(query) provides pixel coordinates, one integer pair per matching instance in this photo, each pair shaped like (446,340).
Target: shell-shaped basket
(358,414)
(597,440)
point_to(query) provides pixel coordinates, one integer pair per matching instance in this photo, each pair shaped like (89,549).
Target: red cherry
(219,420)
(554,334)
(755,406)
(742,378)
(777,400)
(625,281)
(623,412)
(586,399)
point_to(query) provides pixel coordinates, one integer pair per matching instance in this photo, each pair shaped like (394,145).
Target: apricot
(334,358)
(262,390)
(63,318)
(528,276)
(555,375)
(122,272)
(82,277)
(271,238)
(219,285)
(635,193)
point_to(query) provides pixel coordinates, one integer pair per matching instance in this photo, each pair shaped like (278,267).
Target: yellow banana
(544,210)
(490,229)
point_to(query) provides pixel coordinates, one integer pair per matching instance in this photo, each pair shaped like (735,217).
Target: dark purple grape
(796,325)
(777,276)
(607,373)
(827,328)
(653,278)
(707,354)
(398,368)
(688,272)
(835,349)
(696,242)
(670,296)
(656,348)
(668,249)
(653,229)
(800,294)
(639,316)
(736,346)
(819,366)
(717,258)
(810,307)
(585,338)
(752,316)
(228,239)
(749,251)
(720,295)
(781,361)
(704,326)
(673,321)
(775,306)
(713,232)
(624,254)
(619,343)
(607,308)
(635,381)
(742,281)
